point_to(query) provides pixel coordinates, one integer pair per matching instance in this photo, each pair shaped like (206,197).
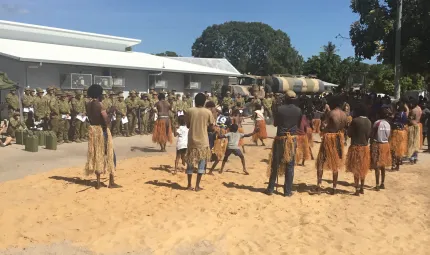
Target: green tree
(374,33)
(326,65)
(167,54)
(252,47)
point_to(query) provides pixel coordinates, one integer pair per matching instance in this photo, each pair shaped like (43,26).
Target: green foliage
(251,47)
(167,54)
(374,33)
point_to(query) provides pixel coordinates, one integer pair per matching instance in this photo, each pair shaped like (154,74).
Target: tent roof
(62,54)
(5,82)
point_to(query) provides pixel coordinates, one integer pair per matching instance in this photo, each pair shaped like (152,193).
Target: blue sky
(175,24)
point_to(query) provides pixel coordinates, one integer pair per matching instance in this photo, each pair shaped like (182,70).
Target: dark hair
(257,106)
(413,102)
(233,128)
(210,104)
(181,120)
(161,96)
(335,102)
(95,91)
(200,99)
(360,110)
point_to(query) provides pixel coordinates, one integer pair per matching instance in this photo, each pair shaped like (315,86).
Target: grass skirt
(162,132)
(413,139)
(241,141)
(309,132)
(303,150)
(262,133)
(195,155)
(100,155)
(331,154)
(283,151)
(220,145)
(399,142)
(421,135)
(316,123)
(358,160)
(380,155)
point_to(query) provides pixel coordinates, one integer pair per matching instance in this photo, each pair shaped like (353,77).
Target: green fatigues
(27,102)
(54,116)
(121,111)
(78,107)
(227,102)
(172,113)
(214,99)
(145,108)
(41,111)
(12,104)
(132,108)
(267,103)
(254,102)
(13,126)
(63,124)
(240,102)
(86,123)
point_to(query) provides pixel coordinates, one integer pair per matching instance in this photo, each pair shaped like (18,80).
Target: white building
(39,56)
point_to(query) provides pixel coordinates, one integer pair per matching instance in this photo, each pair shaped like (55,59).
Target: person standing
(101,157)
(282,157)
(163,127)
(12,102)
(414,130)
(14,124)
(260,124)
(121,129)
(358,157)
(267,104)
(331,153)
(380,150)
(78,108)
(145,108)
(54,114)
(199,120)
(132,107)
(41,111)
(64,117)
(214,98)
(227,101)
(27,105)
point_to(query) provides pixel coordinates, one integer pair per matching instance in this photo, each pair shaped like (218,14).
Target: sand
(59,212)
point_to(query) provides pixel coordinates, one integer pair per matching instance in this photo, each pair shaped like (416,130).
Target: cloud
(12,9)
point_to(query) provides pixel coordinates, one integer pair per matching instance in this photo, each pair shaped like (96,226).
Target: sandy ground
(59,212)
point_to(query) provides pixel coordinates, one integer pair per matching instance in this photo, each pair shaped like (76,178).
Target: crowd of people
(383,133)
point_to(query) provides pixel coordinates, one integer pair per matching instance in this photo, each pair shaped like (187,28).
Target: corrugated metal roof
(61,54)
(217,63)
(34,33)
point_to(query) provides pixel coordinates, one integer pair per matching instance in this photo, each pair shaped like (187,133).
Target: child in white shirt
(182,142)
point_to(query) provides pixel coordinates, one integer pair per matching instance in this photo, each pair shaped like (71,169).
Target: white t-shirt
(260,114)
(182,142)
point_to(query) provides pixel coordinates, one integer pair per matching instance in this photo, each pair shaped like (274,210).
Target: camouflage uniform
(86,123)
(267,103)
(27,102)
(54,116)
(240,102)
(145,108)
(121,111)
(214,99)
(132,103)
(78,107)
(41,109)
(153,101)
(63,123)
(172,111)
(14,124)
(227,101)
(12,102)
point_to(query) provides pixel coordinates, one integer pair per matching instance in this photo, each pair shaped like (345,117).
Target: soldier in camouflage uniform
(41,109)
(27,103)
(12,102)
(267,104)
(153,100)
(121,111)
(14,124)
(214,98)
(63,120)
(240,101)
(145,108)
(78,107)
(54,115)
(132,108)
(227,101)
(172,111)
(255,101)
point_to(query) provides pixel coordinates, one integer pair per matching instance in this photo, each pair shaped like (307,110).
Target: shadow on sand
(79,181)
(167,184)
(166,168)
(145,149)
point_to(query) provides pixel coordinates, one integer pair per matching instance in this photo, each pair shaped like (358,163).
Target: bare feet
(246,172)
(190,188)
(198,189)
(333,191)
(114,186)
(382,186)
(361,191)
